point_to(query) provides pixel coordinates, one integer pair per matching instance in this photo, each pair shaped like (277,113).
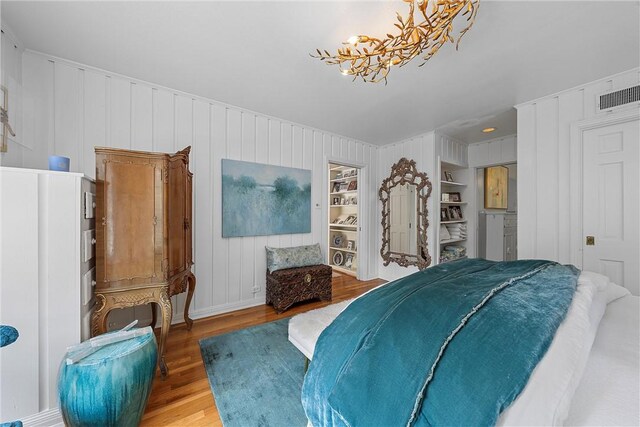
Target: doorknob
(591,240)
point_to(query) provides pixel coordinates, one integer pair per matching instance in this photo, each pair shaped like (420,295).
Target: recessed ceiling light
(488,130)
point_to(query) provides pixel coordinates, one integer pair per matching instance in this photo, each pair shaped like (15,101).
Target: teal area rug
(256,376)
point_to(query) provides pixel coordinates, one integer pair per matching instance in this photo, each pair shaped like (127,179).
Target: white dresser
(47,259)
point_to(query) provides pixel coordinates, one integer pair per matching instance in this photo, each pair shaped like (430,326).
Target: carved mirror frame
(405,172)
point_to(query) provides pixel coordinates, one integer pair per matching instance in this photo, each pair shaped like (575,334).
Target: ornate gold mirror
(404,196)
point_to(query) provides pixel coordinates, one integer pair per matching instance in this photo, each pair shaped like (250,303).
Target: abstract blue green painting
(261,200)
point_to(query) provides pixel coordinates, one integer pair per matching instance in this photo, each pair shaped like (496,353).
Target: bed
(588,376)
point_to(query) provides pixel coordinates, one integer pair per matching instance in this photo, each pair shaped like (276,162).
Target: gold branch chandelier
(372,59)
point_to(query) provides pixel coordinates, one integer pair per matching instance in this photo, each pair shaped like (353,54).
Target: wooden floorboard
(185,398)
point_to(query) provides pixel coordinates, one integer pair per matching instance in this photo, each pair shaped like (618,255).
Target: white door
(611,193)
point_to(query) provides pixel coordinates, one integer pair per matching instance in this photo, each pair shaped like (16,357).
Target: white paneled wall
(71,108)
(11,77)
(544,218)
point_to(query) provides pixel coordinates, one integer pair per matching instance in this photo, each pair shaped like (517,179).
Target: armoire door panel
(130,218)
(189,221)
(177,215)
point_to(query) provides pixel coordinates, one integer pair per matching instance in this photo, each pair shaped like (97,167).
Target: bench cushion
(297,256)
(305,328)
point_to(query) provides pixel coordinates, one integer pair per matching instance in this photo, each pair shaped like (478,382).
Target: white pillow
(547,396)
(615,292)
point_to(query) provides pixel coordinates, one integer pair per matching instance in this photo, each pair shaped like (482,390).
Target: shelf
(453,221)
(341,168)
(453,203)
(445,242)
(344,226)
(459,184)
(345,192)
(345,179)
(344,206)
(343,249)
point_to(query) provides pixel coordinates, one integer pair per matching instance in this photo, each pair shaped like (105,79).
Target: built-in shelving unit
(343,218)
(452,213)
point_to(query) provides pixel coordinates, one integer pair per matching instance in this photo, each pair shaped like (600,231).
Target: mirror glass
(403,237)
(404,197)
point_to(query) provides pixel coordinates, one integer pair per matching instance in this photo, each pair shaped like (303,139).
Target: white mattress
(608,393)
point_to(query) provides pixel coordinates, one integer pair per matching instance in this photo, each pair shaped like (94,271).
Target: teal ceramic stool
(109,387)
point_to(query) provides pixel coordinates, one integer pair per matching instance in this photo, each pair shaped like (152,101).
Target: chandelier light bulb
(353,40)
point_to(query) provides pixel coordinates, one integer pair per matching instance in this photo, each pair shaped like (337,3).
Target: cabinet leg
(154,316)
(167,313)
(99,317)
(192,286)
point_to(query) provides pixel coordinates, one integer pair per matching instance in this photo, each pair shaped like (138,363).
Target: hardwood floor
(184,398)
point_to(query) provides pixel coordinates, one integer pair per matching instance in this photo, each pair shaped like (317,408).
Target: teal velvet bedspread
(450,345)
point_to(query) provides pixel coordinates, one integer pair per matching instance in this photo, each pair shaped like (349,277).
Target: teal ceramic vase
(110,387)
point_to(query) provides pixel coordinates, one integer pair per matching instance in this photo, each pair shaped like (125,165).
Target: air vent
(619,98)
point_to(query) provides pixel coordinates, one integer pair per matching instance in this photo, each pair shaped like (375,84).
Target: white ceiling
(256,55)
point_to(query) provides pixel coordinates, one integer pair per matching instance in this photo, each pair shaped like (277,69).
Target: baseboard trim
(221,309)
(48,418)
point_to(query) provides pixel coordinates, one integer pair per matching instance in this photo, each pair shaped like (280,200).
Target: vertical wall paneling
(547,173)
(248,243)
(66,124)
(94,132)
(570,110)
(220,251)
(73,108)
(119,113)
(544,165)
(162,120)
(38,107)
(141,118)
(203,206)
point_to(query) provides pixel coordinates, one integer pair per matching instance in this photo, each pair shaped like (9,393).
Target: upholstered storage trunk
(289,286)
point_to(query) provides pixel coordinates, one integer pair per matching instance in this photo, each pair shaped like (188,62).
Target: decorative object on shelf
(351,245)
(455,213)
(373,61)
(118,375)
(335,201)
(4,119)
(496,180)
(444,214)
(353,185)
(336,187)
(448,176)
(338,258)
(353,200)
(262,200)
(406,183)
(454,197)
(444,233)
(59,163)
(348,263)
(337,240)
(444,197)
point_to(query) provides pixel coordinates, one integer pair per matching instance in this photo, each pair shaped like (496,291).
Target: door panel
(189,215)
(129,221)
(177,216)
(611,203)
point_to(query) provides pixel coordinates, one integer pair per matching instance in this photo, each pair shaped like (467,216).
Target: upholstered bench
(296,274)
(305,328)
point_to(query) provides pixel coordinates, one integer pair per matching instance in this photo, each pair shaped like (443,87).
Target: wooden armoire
(143,234)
